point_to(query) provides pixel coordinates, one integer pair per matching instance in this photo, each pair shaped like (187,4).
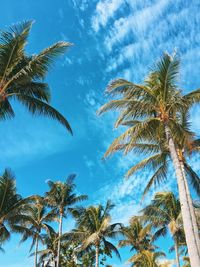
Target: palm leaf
(193,177)
(38,107)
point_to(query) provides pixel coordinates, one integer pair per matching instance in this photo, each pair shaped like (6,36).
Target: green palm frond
(167,69)
(192,97)
(159,175)
(12,205)
(34,89)
(193,177)
(6,111)
(38,107)
(37,66)
(12,44)
(134,134)
(109,247)
(153,161)
(21,75)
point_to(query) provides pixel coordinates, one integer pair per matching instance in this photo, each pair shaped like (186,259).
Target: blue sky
(112,38)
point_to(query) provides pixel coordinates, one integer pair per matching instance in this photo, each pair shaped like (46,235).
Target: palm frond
(159,175)
(193,177)
(38,107)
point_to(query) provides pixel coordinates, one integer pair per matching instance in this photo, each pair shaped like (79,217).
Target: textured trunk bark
(97,256)
(191,208)
(192,245)
(176,252)
(36,251)
(59,235)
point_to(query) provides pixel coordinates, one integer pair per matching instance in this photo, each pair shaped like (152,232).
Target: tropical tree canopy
(22,75)
(94,229)
(144,109)
(11,205)
(137,235)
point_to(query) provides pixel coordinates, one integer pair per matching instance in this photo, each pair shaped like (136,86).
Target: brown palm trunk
(176,252)
(192,245)
(97,256)
(59,235)
(36,250)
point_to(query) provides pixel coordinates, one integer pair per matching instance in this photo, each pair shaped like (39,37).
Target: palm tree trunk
(36,250)
(191,207)
(192,245)
(59,235)
(176,252)
(97,256)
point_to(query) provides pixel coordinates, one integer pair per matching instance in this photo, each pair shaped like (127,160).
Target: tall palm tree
(152,111)
(61,196)
(11,205)
(137,236)
(34,223)
(22,75)
(164,214)
(93,229)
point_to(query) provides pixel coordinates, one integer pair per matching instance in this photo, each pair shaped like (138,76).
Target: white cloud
(104,11)
(136,23)
(170,263)
(80,4)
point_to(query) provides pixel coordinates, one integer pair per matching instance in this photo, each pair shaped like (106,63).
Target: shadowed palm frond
(38,107)
(193,177)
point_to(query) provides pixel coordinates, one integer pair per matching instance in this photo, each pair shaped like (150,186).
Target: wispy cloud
(105,10)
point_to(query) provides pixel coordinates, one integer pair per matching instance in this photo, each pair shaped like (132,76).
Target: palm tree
(137,236)
(22,75)
(61,196)
(93,229)
(164,214)
(153,111)
(146,258)
(11,205)
(49,254)
(35,220)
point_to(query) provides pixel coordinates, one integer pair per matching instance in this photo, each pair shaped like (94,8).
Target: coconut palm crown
(94,228)
(164,213)
(12,206)
(22,75)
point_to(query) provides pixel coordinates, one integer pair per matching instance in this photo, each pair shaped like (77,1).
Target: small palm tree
(146,258)
(152,111)
(49,254)
(61,197)
(34,222)
(93,229)
(22,75)
(164,213)
(137,236)
(12,205)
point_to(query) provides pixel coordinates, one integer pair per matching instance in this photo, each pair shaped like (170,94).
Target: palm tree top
(62,195)
(22,75)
